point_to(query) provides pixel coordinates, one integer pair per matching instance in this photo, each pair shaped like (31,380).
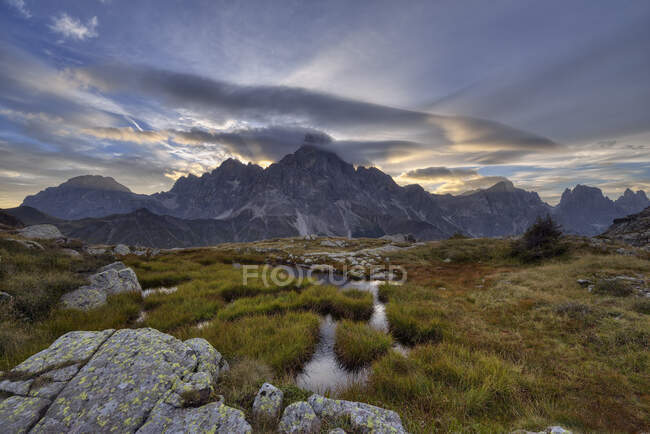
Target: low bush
(357,344)
(542,240)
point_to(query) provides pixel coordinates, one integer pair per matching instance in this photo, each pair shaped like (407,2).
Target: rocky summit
(633,229)
(312,191)
(145,381)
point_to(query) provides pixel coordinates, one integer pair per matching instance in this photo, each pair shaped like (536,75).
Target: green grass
(496,344)
(357,344)
(355,305)
(284,342)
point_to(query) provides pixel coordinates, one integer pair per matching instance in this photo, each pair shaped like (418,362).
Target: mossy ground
(495,344)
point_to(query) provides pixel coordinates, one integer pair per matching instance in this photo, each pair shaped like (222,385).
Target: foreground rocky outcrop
(633,229)
(112,279)
(119,381)
(145,381)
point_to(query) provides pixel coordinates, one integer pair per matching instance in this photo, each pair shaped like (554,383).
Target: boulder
(95,251)
(299,418)
(337,431)
(268,402)
(43,232)
(71,252)
(399,238)
(120,381)
(110,280)
(121,250)
(364,418)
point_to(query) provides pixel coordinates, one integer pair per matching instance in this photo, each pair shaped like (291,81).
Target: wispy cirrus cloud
(20,7)
(72,28)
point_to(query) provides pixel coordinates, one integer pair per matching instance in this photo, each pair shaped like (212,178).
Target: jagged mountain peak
(95,182)
(505,186)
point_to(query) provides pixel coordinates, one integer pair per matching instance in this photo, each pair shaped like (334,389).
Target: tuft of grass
(416,323)
(615,287)
(351,304)
(282,341)
(357,344)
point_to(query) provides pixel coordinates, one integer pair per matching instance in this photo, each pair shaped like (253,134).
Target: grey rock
(5,297)
(584,282)
(364,418)
(299,417)
(213,417)
(71,348)
(28,243)
(95,251)
(62,374)
(84,298)
(268,402)
(399,238)
(113,266)
(71,252)
(550,430)
(43,232)
(337,431)
(111,281)
(20,387)
(121,249)
(209,360)
(18,414)
(121,383)
(197,390)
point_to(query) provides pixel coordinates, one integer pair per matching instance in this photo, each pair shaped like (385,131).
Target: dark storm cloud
(440,173)
(283,104)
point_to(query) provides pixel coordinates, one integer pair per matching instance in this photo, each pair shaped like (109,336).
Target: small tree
(540,241)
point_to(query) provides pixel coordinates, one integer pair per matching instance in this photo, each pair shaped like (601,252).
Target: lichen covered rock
(18,414)
(364,418)
(111,279)
(268,402)
(43,232)
(299,418)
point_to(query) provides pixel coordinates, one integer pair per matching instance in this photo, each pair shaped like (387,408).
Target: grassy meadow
(495,343)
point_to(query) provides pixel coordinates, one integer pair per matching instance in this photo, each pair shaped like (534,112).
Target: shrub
(615,287)
(542,240)
(357,344)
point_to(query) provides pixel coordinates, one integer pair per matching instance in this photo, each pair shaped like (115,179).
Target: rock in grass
(364,418)
(18,414)
(27,243)
(43,232)
(5,297)
(268,402)
(110,280)
(550,430)
(337,431)
(120,381)
(121,249)
(299,418)
(213,417)
(84,298)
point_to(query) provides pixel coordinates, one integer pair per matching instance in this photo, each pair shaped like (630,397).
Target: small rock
(43,232)
(95,251)
(72,253)
(5,297)
(299,418)
(447,260)
(268,402)
(84,298)
(27,243)
(337,431)
(364,418)
(583,282)
(121,250)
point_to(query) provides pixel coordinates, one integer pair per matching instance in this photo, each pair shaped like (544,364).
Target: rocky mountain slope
(633,229)
(309,191)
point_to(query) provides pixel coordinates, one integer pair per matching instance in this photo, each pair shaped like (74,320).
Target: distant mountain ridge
(314,191)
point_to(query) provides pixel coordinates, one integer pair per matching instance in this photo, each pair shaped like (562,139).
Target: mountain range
(312,191)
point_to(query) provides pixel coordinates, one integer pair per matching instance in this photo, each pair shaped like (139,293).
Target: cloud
(73,28)
(440,173)
(125,134)
(21,7)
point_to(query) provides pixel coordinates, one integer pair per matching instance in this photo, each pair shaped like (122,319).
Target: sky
(453,95)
